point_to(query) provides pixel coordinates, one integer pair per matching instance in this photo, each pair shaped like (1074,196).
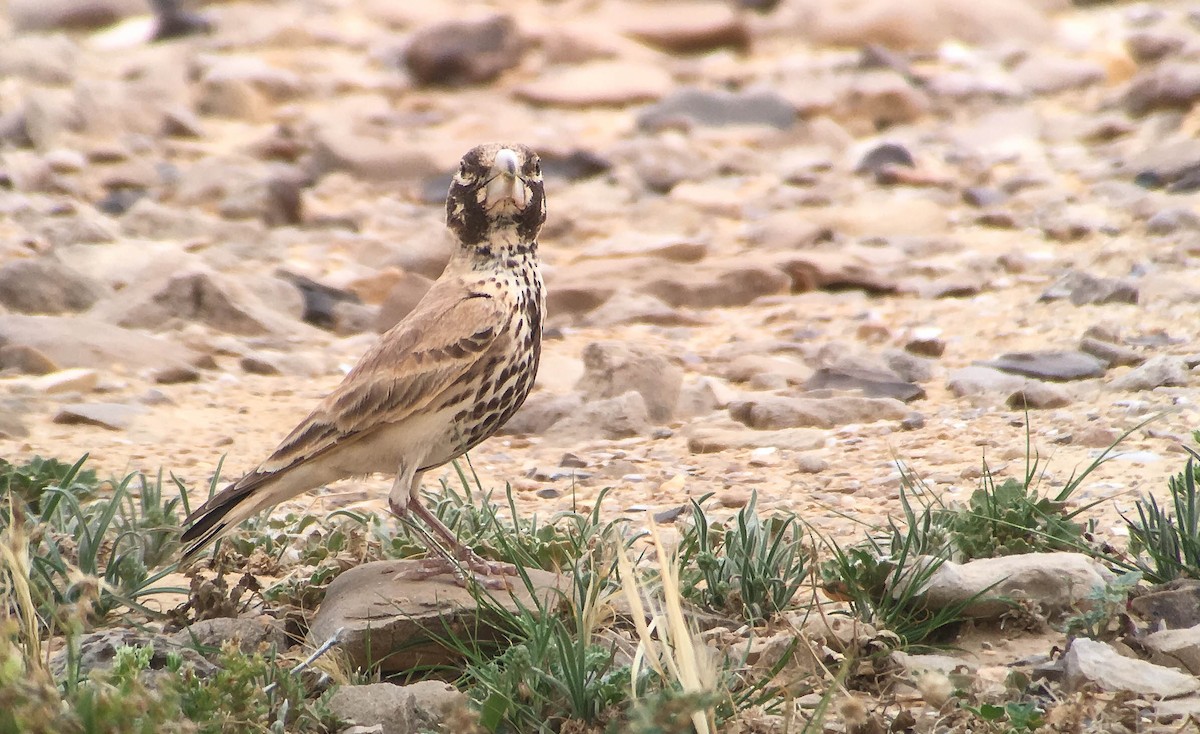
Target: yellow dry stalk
(667,641)
(15,572)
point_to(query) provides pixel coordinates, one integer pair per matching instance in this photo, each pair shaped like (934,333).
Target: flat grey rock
(114,416)
(393,709)
(396,622)
(1094,663)
(85,342)
(1053,365)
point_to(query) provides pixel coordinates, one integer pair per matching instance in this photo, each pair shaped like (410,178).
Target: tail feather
(240,501)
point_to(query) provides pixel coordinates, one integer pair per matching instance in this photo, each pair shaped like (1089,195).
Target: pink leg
(486,573)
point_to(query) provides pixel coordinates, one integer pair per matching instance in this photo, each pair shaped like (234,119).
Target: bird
(435,385)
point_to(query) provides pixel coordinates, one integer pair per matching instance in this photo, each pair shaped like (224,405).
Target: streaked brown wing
(408,370)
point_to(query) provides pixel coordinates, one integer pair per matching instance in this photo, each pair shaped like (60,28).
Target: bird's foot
(469,568)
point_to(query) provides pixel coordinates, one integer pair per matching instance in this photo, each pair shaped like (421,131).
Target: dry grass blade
(667,641)
(15,571)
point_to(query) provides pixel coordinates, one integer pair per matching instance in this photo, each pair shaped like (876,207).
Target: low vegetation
(713,625)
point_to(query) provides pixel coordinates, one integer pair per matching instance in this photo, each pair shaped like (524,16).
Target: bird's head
(497,196)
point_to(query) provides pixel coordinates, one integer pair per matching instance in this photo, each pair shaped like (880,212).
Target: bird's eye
(537,168)
(462,171)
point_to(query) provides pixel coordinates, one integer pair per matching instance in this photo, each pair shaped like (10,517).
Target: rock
(689,27)
(403,297)
(26,360)
(1095,437)
(176,375)
(608,83)
(576,165)
(1115,355)
(908,366)
(1082,289)
(46,15)
(1175,605)
(722,285)
(788,231)
(255,365)
(1164,164)
(1151,45)
(98,649)
(1058,582)
(197,295)
(353,318)
(1054,365)
(1046,74)
(340,148)
(923,25)
(1067,225)
(113,416)
(1168,86)
(229,71)
(320,300)
(408,709)
(45,286)
(718,108)
(148,219)
(1037,395)
(175,21)
(457,53)
(925,346)
(884,157)
(1170,221)
(540,411)
(811,463)
(713,439)
(1158,371)
(83,342)
(1172,710)
(624,307)
(873,383)
(1179,648)
(876,99)
(396,623)
(78,379)
(702,396)
(251,634)
(752,367)
(846,269)
(778,411)
(282,202)
(621,416)
(1096,664)
(614,368)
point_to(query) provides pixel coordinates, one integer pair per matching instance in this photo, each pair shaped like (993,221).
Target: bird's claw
(485,573)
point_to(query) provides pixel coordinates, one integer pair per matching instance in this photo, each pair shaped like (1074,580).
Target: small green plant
(87,547)
(24,484)
(1010,518)
(1011,718)
(1171,540)
(248,692)
(495,531)
(1014,516)
(882,578)
(549,664)
(749,566)
(1105,606)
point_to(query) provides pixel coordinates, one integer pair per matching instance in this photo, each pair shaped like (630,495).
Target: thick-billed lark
(437,383)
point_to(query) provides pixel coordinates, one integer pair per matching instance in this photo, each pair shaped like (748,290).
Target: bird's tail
(240,501)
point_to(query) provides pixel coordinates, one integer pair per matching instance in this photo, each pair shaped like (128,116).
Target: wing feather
(413,367)
(410,369)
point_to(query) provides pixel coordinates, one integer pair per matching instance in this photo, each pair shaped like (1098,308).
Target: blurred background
(209,210)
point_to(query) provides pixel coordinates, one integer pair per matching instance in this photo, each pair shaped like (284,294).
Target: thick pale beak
(504,185)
